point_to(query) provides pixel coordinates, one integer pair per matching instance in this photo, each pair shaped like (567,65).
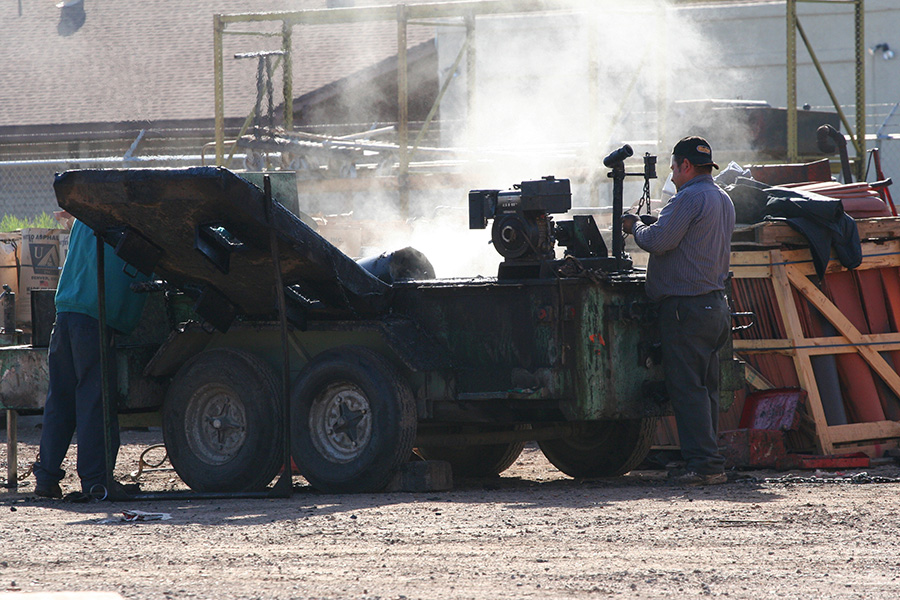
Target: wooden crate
(761,251)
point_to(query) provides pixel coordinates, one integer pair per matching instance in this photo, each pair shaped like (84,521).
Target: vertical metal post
(593,81)
(8,316)
(860,139)
(793,153)
(662,90)
(104,366)
(471,78)
(284,485)
(618,240)
(12,449)
(403,110)
(218,68)
(287,67)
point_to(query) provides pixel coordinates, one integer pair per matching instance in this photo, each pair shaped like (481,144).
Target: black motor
(523,227)
(524,232)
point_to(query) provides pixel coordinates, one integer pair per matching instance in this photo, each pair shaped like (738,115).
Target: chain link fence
(26,187)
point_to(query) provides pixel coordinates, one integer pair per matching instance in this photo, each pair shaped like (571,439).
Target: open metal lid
(205,230)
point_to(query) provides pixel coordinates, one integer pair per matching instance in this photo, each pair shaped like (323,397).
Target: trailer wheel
(484,460)
(601,449)
(353,421)
(221,422)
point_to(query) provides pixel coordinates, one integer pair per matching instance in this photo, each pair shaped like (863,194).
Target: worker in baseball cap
(689,250)
(696,150)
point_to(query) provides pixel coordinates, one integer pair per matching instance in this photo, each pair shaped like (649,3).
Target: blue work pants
(693,329)
(75,403)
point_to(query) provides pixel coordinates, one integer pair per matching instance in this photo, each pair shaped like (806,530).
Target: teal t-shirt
(77,288)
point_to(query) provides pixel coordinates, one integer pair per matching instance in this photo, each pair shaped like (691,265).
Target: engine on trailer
(524,233)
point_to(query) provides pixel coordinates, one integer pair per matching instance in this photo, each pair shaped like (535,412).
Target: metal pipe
(618,240)
(593,81)
(8,315)
(287,75)
(471,55)
(109,451)
(440,96)
(12,449)
(859,140)
(219,91)
(818,65)
(403,110)
(791,62)
(284,484)
(324,16)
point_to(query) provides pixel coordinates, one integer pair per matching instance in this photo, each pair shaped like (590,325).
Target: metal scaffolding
(857,134)
(404,15)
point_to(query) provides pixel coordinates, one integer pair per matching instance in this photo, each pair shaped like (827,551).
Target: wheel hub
(340,422)
(215,424)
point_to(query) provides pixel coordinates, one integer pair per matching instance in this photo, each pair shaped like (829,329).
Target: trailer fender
(180,346)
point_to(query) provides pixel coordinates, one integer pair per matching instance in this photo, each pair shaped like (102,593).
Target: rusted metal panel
(756,448)
(23,377)
(571,346)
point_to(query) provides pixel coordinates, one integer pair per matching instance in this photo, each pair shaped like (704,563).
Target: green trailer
(381,358)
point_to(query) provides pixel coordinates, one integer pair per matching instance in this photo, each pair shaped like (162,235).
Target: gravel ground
(532,533)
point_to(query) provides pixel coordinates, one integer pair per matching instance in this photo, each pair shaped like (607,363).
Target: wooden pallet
(778,233)
(791,269)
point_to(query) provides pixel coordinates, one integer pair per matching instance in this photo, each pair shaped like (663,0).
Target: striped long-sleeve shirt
(689,245)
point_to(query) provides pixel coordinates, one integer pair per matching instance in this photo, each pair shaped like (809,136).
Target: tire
(601,449)
(353,421)
(244,453)
(485,460)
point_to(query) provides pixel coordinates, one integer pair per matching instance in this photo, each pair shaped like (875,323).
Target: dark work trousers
(75,402)
(693,329)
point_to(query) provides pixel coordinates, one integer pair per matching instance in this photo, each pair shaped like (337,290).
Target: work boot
(48,490)
(692,478)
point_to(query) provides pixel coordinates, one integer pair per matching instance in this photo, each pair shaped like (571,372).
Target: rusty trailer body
(464,370)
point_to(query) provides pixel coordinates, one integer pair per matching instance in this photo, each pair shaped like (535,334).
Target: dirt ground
(532,533)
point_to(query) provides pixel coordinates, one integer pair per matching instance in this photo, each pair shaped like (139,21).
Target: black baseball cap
(696,150)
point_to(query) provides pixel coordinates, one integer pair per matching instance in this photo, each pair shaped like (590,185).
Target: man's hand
(628,221)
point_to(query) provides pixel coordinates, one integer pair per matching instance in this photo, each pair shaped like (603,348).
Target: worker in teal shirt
(74,398)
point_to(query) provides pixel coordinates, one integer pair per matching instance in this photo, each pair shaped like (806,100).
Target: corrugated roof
(153,59)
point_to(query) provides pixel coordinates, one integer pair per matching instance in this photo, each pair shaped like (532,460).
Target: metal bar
(12,449)
(884,124)
(436,24)
(618,240)
(662,91)
(593,81)
(818,65)
(218,68)
(110,452)
(253,33)
(791,62)
(440,96)
(283,485)
(859,140)
(471,72)
(415,11)
(287,75)
(403,109)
